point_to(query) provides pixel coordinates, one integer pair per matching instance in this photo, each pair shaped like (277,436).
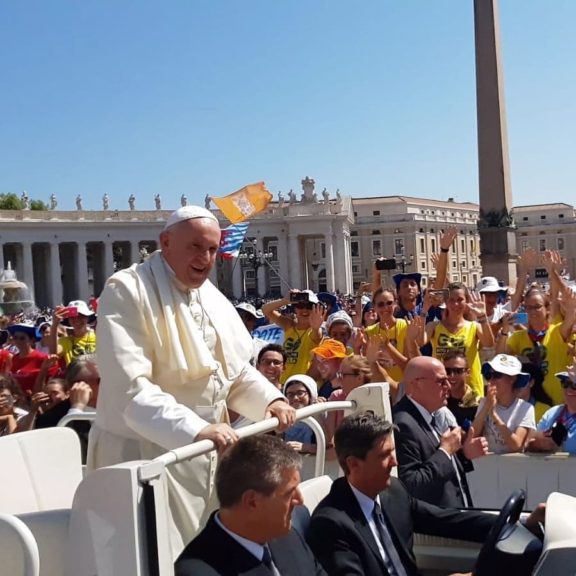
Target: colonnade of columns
(59,271)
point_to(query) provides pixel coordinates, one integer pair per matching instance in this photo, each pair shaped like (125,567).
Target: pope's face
(190,248)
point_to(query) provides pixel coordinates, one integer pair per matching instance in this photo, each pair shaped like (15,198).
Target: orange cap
(330,348)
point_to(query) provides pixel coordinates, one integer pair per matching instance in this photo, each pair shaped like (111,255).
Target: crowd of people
(470,370)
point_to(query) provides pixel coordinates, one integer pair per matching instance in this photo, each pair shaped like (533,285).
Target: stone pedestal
(498,254)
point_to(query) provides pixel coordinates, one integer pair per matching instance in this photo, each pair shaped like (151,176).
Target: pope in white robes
(173,355)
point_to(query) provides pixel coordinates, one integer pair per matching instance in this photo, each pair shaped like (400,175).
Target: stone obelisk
(496,227)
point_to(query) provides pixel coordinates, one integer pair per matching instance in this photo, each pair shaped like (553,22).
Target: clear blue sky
(203,96)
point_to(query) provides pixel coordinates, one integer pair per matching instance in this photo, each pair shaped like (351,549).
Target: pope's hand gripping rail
(370,398)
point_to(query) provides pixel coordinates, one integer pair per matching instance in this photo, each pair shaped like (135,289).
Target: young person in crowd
(392,332)
(26,363)
(300,391)
(456,333)
(556,430)
(81,339)
(462,401)
(545,344)
(301,333)
(271,361)
(502,418)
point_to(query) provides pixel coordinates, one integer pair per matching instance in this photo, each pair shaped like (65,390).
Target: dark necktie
(267,561)
(465,498)
(435,426)
(392,561)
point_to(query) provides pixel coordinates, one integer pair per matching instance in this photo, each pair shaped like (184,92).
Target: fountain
(15,296)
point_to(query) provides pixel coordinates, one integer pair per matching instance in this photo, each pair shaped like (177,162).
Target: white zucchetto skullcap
(188,213)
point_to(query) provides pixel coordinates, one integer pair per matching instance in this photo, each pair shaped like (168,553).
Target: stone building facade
(326,244)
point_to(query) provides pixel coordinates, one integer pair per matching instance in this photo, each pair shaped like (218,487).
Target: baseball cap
(82,307)
(509,365)
(188,213)
(247,307)
(312,298)
(566,375)
(411,276)
(330,348)
(489,284)
(306,381)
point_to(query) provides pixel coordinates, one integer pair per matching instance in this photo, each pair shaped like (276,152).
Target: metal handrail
(29,544)
(85,416)
(154,468)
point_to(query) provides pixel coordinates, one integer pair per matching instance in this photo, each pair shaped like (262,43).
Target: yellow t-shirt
(73,347)
(465,340)
(554,358)
(298,346)
(397,336)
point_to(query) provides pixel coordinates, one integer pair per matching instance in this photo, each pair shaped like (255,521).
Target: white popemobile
(53,522)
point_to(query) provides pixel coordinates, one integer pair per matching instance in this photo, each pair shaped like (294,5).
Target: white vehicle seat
(559,554)
(44,471)
(314,490)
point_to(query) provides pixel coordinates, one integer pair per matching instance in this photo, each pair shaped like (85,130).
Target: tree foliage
(38,205)
(11,201)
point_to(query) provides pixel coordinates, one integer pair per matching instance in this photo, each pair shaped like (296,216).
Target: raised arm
(446,240)
(272,312)
(364,288)
(569,301)
(59,314)
(477,306)
(526,261)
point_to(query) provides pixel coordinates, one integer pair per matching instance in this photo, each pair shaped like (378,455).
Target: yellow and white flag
(244,203)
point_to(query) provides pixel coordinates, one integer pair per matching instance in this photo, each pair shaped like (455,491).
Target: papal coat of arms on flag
(244,203)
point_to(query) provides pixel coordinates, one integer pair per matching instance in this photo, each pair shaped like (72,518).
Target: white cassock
(171,361)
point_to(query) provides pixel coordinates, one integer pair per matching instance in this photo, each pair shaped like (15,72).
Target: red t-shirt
(25,370)
(4,357)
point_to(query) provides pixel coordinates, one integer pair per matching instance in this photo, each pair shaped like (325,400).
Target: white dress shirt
(367,506)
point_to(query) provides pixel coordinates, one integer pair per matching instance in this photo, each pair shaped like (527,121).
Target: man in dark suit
(432,462)
(257,486)
(365,526)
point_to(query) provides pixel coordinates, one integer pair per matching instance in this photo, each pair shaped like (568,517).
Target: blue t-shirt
(548,419)
(300,432)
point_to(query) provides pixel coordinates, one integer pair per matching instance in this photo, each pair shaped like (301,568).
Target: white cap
(82,307)
(308,382)
(188,213)
(489,284)
(339,316)
(509,365)
(247,307)
(312,298)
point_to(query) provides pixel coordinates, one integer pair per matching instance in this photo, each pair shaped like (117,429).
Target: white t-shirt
(519,414)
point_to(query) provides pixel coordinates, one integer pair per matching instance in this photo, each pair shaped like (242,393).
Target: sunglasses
(303,306)
(567,384)
(494,375)
(456,371)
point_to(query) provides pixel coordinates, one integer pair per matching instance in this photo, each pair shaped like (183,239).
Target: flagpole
(282,279)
